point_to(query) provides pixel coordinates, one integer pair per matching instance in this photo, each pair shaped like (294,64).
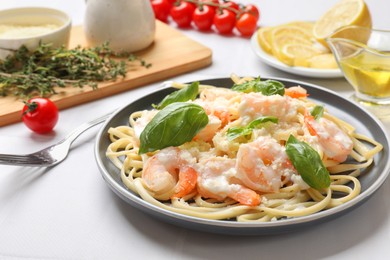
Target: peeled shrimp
(296,92)
(254,105)
(216,180)
(263,165)
(335,143)
(218,117)
(169,173)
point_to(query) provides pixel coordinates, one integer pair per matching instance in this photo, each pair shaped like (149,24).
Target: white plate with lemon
(297,70)
(300,48)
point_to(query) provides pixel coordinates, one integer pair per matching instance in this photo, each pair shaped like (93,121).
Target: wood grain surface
(172,53)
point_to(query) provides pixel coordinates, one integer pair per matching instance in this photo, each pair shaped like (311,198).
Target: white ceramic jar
(128,25)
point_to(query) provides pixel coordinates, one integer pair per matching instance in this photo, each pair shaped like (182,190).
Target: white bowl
(31,25)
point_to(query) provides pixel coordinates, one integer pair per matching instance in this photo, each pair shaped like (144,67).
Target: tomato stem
(219,6)
(31,107)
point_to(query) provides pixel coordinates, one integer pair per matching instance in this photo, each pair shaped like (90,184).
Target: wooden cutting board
(171,54)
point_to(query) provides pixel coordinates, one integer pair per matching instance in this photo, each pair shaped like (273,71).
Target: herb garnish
(238,131)
(27,73)
(308,163)
(189,92)
(174,125)
(317,112)
(267,87)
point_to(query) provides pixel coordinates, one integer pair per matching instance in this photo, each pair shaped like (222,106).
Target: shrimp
(218,115)
(335,143)
(169,173)
(207,133)
(254,105)
(212,94)
(263,165)
(216,180)
(296,92)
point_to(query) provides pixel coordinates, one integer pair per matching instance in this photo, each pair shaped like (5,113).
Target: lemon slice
(286,34)
(323,61)
(290,30)
(264,38)
(280,41)
(304,25)
(345,12)
(298,54)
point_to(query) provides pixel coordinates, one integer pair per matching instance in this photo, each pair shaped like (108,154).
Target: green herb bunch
(37,73)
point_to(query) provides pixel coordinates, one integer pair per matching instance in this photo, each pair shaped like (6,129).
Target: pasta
(245,163)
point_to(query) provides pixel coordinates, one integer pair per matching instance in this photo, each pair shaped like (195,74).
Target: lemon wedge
(345,12)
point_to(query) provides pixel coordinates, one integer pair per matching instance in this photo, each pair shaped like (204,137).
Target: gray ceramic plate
(371,179)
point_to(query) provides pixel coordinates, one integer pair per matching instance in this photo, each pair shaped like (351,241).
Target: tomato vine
(222,16)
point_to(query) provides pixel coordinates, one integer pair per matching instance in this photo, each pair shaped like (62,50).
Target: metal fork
(51,155)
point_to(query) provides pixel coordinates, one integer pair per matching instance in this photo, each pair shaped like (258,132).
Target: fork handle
(83,127)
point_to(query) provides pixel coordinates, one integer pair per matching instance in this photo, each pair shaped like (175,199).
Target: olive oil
(368,73)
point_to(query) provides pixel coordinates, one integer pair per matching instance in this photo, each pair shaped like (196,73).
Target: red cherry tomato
(182,13)
(40,115)
(246,24)
(203,17)
(224,21)
(161,9)
(253,10)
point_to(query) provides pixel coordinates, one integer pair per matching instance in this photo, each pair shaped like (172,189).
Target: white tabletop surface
(68,212)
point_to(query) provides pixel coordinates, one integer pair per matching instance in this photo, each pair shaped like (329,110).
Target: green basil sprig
(308,163)
(237,131)
(189,92)
(174,125)
(268,87)
(317,112)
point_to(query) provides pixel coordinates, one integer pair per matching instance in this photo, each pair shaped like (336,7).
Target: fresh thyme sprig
(37,73)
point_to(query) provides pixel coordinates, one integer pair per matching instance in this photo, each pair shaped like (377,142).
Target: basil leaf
(235,132)
(268,87)
(189,92)
(317,112)
(246,87)
(174,125)
(308,163)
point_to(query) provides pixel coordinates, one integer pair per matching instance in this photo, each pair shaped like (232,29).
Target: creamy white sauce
(9,31)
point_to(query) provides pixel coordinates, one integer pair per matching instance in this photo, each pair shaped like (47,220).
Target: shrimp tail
(296,92)
(246,197)
(309,119)
(186,183)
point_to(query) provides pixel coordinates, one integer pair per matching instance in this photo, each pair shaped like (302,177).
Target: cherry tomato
(182,13)
(224,21)
(161,9)
(253,10)
(246,24)
(40,115)
(203,17)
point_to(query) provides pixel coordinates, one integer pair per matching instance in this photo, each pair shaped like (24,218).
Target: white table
(68,212)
